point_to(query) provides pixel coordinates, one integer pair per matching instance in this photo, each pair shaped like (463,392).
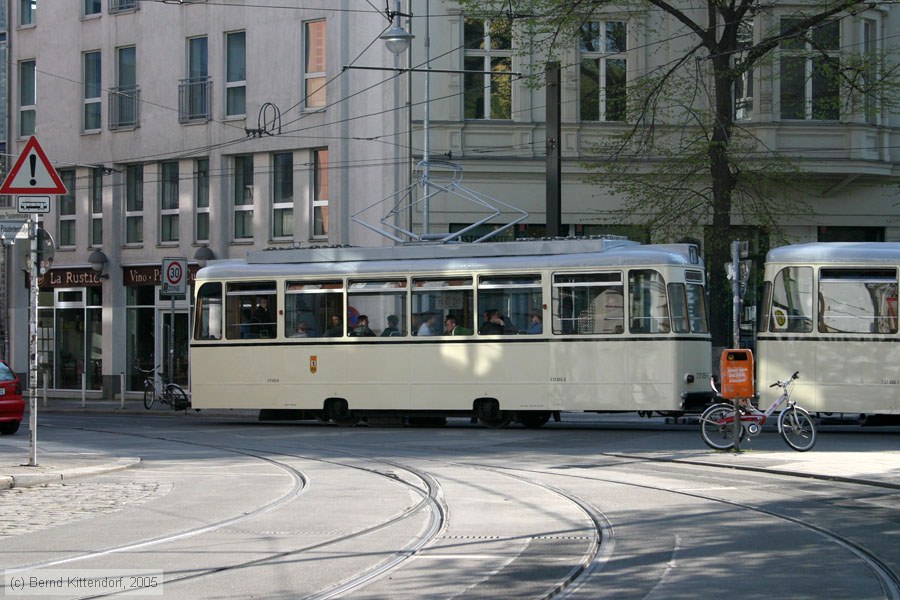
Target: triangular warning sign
(32,173)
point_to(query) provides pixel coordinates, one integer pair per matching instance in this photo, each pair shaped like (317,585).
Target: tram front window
(648,305)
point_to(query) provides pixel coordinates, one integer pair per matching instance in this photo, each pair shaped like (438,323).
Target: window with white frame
(27,9)
(66,212)
(283,195)
(27,97)
(117,6)
(314,72)
(123,99)
(201,195)
(871,59)
(603,70)
(95,191)
(168,202)
(92,7)
(235,73)
(320,193)
(810,64)
(487,60)
(242,197)
(743,84)
(134,204)
(92,89)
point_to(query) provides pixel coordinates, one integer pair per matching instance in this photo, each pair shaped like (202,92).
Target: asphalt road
(233,508)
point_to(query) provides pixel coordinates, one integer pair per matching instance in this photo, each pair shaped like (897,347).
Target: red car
(12,405)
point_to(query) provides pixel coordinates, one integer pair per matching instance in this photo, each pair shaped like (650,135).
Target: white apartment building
(199,129)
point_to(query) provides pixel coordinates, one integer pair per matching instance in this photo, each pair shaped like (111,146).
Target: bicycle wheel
(149,396)
(176,397)
(797,428)
(717,426)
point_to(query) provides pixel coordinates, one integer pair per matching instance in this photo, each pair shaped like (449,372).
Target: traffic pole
(32,344)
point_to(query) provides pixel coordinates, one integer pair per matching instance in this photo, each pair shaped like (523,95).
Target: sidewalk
(870,455)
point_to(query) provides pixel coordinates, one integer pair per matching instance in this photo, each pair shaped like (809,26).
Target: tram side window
(585,303)
(383,302)
(208,320)
(647,302)
(433,300)
(314,309)
(858,301)
(678,308)
(516,297)
(792,296)
(250,310)
(696,304)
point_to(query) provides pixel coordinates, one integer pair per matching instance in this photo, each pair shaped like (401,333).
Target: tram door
(180,356)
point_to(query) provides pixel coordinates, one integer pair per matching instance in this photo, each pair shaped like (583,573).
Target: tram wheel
(501,420)
(533,419)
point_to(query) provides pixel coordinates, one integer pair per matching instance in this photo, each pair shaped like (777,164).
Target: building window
(201,194)
(314,61)
(92,88)
(194,90)
(320,194)
(27,97)
(92,7)
(743,83)
(117,6)
(124,98)
(66,213)
(168,203)
(96,194)
(27,10)
(810,65)
(283,196)
(488,50)
(242,197)
(603,70)
(235,74)
(134,204)
(871,51)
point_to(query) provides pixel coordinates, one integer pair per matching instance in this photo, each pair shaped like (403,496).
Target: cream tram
(507,331)
(830,311)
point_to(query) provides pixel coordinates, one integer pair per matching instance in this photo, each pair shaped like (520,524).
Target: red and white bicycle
(795,425)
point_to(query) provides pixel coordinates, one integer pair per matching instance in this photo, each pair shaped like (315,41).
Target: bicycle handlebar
(796,375)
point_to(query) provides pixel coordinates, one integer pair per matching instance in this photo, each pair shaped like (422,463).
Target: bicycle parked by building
(171,394)
(795,425)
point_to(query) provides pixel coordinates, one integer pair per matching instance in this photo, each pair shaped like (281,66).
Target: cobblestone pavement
(29,509)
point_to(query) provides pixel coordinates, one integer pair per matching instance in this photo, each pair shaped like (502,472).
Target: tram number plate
(2,391)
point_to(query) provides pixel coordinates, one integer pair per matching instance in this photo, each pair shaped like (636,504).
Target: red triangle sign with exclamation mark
(32,173)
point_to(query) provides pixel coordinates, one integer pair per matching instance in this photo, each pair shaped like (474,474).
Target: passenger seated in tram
(303,330)
(336,329)
(493,323)
(429,324)
(535,324)
(391,329)
(451,327)
(362,328)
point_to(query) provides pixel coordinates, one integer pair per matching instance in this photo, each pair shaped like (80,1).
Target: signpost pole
(32,344)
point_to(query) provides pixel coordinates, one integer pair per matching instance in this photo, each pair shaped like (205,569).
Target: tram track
(886,576)
(400,468)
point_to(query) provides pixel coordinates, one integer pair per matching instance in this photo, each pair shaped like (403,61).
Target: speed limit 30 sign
(174,277)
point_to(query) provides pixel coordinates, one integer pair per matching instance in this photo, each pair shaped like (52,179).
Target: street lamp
(203,255)
(98,262)
(397,40)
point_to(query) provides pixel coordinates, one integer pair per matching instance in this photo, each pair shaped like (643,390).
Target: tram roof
(837,252)
(445,257)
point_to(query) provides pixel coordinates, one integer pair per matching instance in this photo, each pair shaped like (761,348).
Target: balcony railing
(194,100)
(122,5)
(124,107)
(118,6)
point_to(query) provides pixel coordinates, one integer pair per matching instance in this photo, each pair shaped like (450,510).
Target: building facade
(206,130)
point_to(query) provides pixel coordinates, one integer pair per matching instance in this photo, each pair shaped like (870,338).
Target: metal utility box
(737,374)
